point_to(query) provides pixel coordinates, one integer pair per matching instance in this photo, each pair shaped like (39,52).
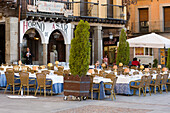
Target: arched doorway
(56,38)
(32,40)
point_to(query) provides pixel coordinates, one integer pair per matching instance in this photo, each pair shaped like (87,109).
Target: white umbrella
(150,40)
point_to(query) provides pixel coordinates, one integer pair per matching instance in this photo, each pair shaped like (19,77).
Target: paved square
(156,103)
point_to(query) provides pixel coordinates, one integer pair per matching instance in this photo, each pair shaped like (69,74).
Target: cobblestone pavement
(157,103)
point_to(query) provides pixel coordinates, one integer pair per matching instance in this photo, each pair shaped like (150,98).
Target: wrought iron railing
(114,11)
(91,9)
(149,26)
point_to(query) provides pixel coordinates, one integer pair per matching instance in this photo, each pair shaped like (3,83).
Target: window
(139,51)
(144,51)
(143,20)
(166,18)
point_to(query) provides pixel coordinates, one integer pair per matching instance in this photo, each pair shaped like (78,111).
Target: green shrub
(79,58)
(168,59)
(155,63)
(123,52)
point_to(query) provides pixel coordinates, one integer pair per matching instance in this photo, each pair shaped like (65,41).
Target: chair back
(158,71)
(91,81)
(135,73)
(95,71)
(9,77)
(118,72)
(133,67)
(66,72)
(1,69)
(24,77)
(101,73)
(60,68)
(143,80)
(29,69)
(46,72)
(16,69)
(110,76)
(24,68)
(41,79)
(5,64)
(10,70)
(148,81)
(165,78)
(113,79)
(151,72)
(112,72)
(158,79)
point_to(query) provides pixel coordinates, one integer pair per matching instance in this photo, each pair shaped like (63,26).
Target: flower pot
(76,86)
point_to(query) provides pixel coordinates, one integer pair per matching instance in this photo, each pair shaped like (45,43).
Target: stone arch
(62,32)
(40,33)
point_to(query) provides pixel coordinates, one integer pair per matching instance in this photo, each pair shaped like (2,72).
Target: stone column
(44,54)
(68,46)
(11,39)
(98,53)
(72,31)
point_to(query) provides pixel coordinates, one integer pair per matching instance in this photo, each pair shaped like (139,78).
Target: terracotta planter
(76,86)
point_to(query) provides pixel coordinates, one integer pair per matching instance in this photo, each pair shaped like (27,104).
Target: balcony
(150,26)
(89,11)
(167,26)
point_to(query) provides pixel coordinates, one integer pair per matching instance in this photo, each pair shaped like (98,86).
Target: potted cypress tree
(123,52)
(78,83)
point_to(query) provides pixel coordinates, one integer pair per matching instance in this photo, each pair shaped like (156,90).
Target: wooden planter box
(76,86)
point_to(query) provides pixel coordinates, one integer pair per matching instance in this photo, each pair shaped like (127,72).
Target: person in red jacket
(135,62)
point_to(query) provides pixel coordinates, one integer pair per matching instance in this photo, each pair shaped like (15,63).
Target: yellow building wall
(154,14)
(100,10)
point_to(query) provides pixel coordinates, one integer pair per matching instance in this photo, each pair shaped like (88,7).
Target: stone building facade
(36,26)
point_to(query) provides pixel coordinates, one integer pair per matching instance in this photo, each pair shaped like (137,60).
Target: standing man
(28,55)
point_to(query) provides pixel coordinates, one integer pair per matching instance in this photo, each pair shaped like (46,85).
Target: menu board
(162,55)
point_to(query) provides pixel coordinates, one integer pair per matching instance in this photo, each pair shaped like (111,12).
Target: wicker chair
(92,89)
(10,69)
(156,83)
(133,67)
(24,77)
(101,73)
(66,72)
(11,81)
(46,72)
(16,69)
(60,71)
(95,71)
(135,73)
(24,68)
(41,80)
(164,82)
(147,84)
(140,86)
(60,68)
(1,69)
(113,83)
(5,64)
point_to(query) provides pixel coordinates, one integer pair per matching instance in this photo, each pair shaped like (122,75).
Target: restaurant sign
(51,7)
